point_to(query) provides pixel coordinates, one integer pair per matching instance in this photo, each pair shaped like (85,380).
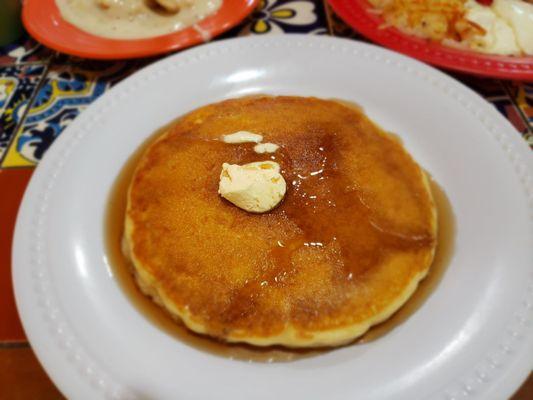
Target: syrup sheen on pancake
(346,248)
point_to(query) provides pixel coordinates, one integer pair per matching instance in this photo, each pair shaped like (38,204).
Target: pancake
(347,246)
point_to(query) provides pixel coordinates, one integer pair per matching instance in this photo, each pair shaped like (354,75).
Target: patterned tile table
(41,92)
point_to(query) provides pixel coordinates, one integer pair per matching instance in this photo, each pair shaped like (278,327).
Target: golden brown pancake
(344,250)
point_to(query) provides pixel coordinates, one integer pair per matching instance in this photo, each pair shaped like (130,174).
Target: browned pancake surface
(355,229)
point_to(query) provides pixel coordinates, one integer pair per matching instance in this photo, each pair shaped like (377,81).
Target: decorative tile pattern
(522,94)
(286,16)
(17,85)
(66,91)
(24,50)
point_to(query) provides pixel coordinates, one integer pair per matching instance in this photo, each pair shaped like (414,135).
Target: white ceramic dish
(471,339)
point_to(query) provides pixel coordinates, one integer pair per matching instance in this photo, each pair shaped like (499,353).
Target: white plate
(471,339)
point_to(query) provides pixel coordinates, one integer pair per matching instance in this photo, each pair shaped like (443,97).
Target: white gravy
(133,19)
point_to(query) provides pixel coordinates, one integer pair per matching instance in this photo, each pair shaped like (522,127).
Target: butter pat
(262,148)
(256,187)
(242,137)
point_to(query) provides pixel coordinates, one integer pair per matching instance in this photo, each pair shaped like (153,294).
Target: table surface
(41,92)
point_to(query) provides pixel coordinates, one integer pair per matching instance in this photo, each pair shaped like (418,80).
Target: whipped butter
(262,148)
(242,137)
(256,187)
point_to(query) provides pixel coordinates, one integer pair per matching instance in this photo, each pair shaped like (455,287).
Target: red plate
(43,21)
(356,14)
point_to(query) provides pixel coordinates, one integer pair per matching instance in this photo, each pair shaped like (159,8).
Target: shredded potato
(432,19)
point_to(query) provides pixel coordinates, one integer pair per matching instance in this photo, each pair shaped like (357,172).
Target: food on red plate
(490,26)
